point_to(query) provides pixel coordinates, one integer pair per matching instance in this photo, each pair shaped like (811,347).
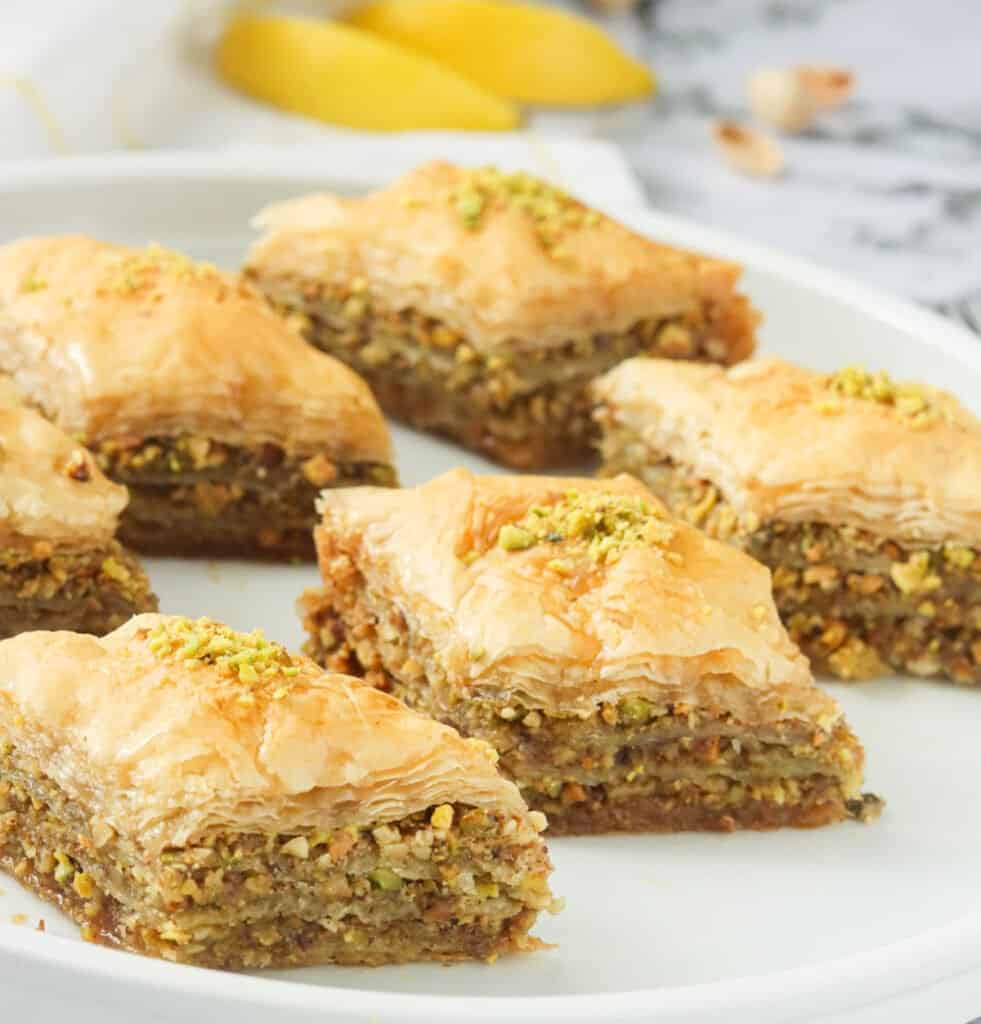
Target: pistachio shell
(340,74)
(747,150)
(828,87)
(524,51)
(778,97)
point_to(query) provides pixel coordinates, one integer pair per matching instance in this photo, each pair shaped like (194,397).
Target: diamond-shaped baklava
(189,792)
(479,304)
(862,495)
(60,565)
(632,673)
(222,422)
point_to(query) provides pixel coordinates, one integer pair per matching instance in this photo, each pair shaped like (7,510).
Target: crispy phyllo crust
(479,305)
(60,566)
(882,573)
(216,801)
(631,673)
(190,390)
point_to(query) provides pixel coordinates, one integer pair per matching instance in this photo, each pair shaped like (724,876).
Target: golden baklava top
(854,447)
(505,259)
(171,728)
(115,342)
(570,592)
(51,491)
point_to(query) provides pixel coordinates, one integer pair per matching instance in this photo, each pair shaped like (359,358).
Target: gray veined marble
(886,189)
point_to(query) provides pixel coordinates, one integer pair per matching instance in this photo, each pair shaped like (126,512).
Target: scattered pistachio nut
(779,97)
(748,151)
(828,86)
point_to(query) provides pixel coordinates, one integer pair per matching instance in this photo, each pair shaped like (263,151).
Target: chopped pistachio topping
(133,273)
(912,402)
(916,575)
(32,283)
(603,523)
(248,657)
(385,878)
(552,211)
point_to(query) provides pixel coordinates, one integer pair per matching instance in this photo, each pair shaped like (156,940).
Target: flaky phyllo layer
(860,594)
(489,331)
(242,809)
(590,638)
(190,390)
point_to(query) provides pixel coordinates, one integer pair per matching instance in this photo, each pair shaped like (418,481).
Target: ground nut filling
(194,495)
(857,604)
(632,764)
(88,591)
(523,407)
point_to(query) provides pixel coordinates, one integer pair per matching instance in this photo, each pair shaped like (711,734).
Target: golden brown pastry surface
(786,443)
(504,259)
(112,342)
(50,488)
(165,747)
(669,614)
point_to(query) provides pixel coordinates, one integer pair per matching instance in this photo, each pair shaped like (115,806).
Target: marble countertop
(887,189)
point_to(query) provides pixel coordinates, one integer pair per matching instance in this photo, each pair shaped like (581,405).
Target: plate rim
(846,982)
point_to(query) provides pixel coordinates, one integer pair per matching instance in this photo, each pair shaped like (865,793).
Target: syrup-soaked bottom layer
(198,497)
(631,766)
(858,605)
(525,409)
(86,592)
(451,883)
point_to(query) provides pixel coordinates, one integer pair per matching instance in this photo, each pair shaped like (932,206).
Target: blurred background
(884,184)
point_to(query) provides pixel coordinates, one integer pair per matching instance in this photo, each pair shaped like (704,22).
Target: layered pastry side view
(631,672)
(192,793)
(189,390)
(479,304)
(859,492)
(60,564)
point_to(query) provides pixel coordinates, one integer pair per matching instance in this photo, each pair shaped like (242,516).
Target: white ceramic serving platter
(747,927)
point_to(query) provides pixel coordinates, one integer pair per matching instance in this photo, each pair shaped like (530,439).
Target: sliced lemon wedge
(527,52)
(338,73)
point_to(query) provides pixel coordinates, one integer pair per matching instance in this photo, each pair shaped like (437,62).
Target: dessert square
(478,304)
(60,564)
(859,492)
(220,420)
(631,673)
(192,793)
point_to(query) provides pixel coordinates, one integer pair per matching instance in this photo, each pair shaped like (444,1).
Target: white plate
(755,927)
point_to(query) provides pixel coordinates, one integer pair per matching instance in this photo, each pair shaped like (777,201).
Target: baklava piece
(479,304)
(631,673)
(220,420)
(188,792)
(60,565)
(862,495)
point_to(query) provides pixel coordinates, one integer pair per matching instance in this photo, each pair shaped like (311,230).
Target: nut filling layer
(857,604)
(631,766)
(454,882)
(88,592)
(196,496)
(523,407)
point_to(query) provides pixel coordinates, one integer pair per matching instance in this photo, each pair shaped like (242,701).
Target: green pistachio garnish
(136,271)
(32,283)
(912,402)
(248,657)
(603,524)
(635,709)
(385,878)
(553,212)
